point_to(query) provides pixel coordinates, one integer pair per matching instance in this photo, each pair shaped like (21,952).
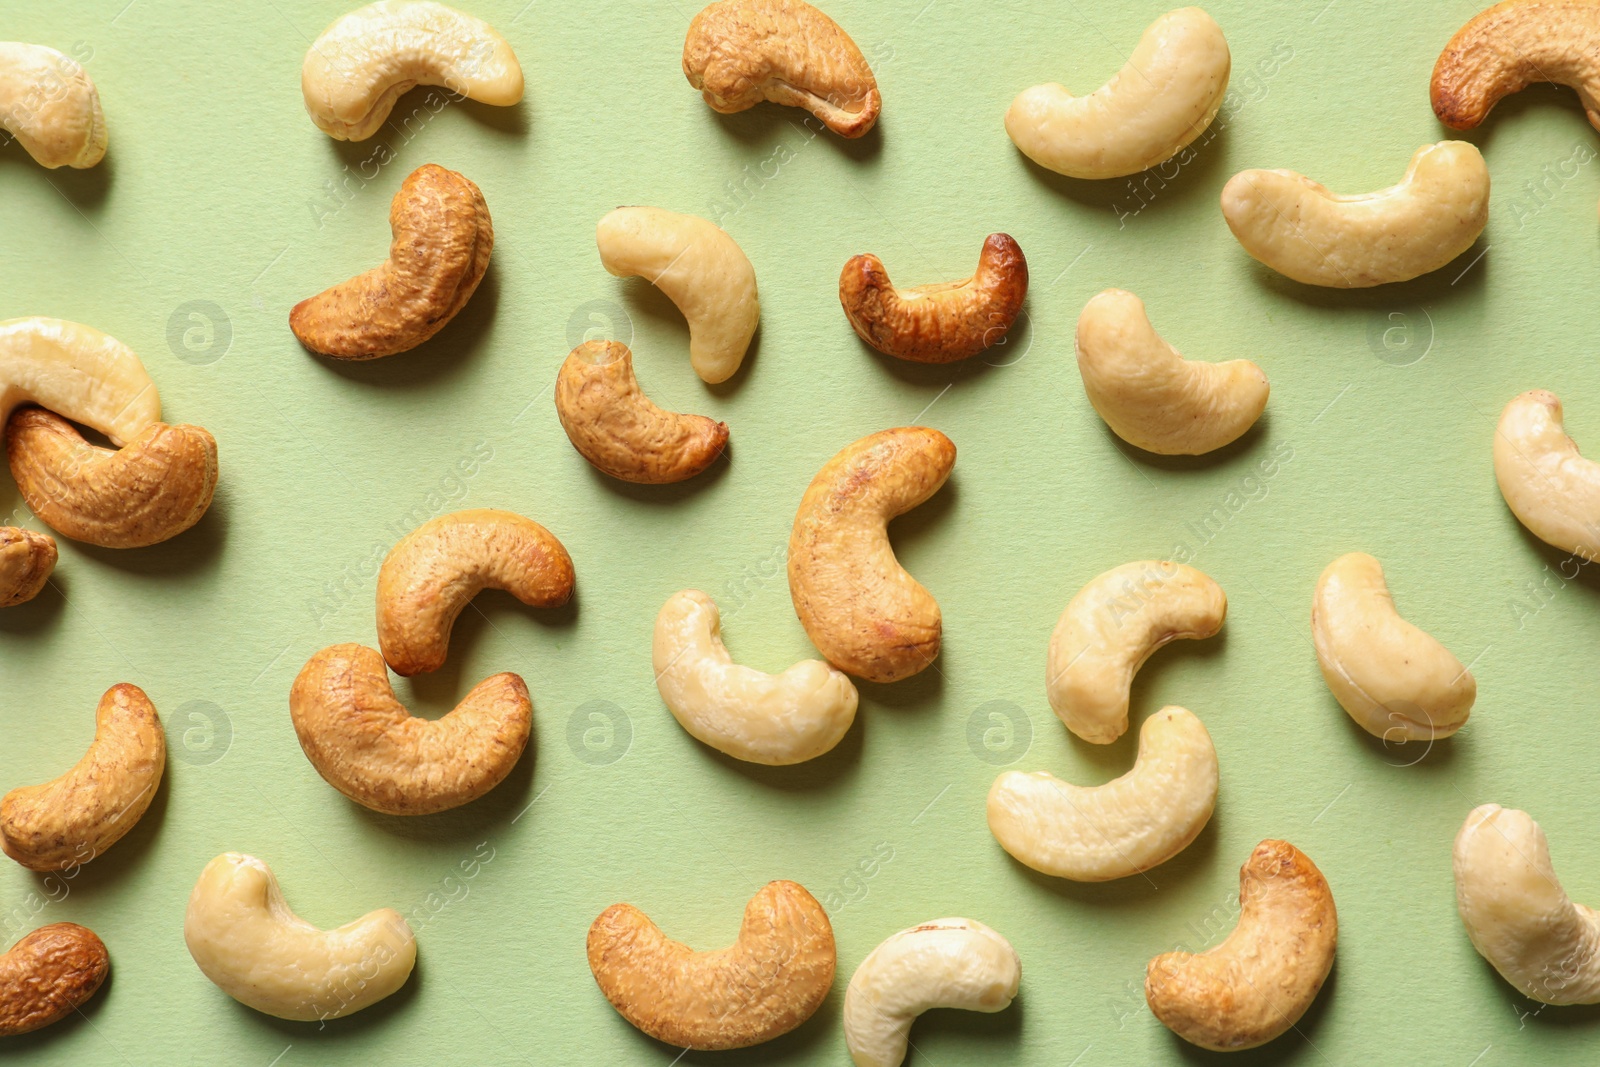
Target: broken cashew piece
(1163,98)
(1151,396)
(366,745)
(48,975)
(49,104)
(1505,48)
(1256,984)
(1551,488)
(1115,623)
(244,938)
(26,560)
(769,981)
(440,566)
(700,268)
(1128,825)
(78,373)
(369,58)
(775,719)
(741,52)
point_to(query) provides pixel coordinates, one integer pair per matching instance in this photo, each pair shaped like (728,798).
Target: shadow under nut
(48,975)
(26,561)
(1507,47)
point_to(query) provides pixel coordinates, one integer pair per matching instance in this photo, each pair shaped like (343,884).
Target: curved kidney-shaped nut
(741,52)
(366,745)
(26,560)
(1131,824)
(1516,913)
(776,719)
(47,975)
(769,981)
(244,938)
(442,239)
(1151,396)
(946,963)
(1547,484)
(367,59)
(1262,978)
(72,819)
(1507,47)
(1303,231)
(436,569)
(1111,627)
(1163,97)
(937,323)
(49,103)
(78,372)
(1395,680)
(700,268)
(865,614)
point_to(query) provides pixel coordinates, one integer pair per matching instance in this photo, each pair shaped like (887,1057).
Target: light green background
(214,190)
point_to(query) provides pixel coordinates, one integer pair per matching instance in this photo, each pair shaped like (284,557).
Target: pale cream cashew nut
(49,103)
(77,372)
(1548,485)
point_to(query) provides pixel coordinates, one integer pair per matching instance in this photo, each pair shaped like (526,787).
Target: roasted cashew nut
(49,103)
(70,820)
(1303,231)
(946,963)
(865,614)
(741,52)
(1151,396)
(26,560)
(776,719)
(769,981)
(244,938)
(937,323)
(1505,48)
(78,373)
(1111,627)
(1547,484)
(700,268)
(1163,97)
(366,745)
(1257,983)
(440,566)
(439,252)
(48,975)
(369,58)
(1128,825)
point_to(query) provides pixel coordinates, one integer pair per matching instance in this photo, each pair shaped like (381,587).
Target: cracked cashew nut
(48,975)
(77,372)
(1151,396)
(49,103)
(26,560)
(769,981)
(244,938)
(1551,489)
(1505,48)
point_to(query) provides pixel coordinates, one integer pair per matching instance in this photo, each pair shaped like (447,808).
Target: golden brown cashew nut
(436,569)
(938,323)
(865,614)
(48,975)
(49,103)
(367,746)
(740,52)
(77,372)
(72,819)
(1551,489)
(769,981)
(26,560)
(442,239)
(1257,983)
(1505,48)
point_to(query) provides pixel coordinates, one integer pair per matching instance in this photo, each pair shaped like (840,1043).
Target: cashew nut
(439,252)
(1547,484)
(1507,47)
(769,981)
(1257,983)
(244,938)
(26,560)
(1131,824)
(938,323)
(49,103)
(77,372)
(776,719)
(741,52)
(1516,913)
(69,821)
(1151,396)
(366,745)
(1163,97)
(864,613)
(700,268)
(48,975)
(369,58)
(614,425)
(1111,627)
(440,566)
(946,963)
(1303,231)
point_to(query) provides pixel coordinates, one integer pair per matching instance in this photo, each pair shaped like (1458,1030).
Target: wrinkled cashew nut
(49,103)
(1262,978)
(1505,48)
(769,981)
(48,975)
(1547,484)
(26,560)
(77,372)
(366,745)
(1151,396)
(70,820)
(1163,98)
(432,574)
(244,938)
(369,58)
(1115,623)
